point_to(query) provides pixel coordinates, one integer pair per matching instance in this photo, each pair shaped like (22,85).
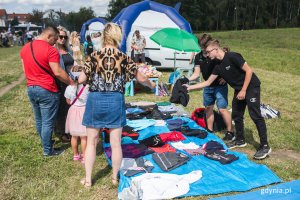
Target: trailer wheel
(148,61)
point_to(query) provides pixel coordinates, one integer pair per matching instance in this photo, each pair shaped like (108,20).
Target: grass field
(10,65)
(26,174)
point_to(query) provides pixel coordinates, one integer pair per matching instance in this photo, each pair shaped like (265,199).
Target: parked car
(161,57)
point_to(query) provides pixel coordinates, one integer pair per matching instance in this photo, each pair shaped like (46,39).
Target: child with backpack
(76,96)
(88,46)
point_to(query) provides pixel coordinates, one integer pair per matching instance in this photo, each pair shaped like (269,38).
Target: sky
(26,6)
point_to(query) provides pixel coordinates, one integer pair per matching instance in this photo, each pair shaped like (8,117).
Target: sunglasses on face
(209,51)
(63,37)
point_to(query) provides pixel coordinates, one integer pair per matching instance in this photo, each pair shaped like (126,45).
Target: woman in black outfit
(66,62)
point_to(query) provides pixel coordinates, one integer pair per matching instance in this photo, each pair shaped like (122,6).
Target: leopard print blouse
(109,70)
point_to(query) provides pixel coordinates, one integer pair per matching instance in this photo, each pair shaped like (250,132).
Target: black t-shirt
(68,61)
(206,67)
(230,69)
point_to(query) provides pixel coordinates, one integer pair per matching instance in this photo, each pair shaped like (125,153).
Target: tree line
(72,20)
(214,15)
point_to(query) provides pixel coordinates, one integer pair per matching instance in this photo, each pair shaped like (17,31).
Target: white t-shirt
(97,43)
(182,146)
(159,185)
(139,42)
(71,91)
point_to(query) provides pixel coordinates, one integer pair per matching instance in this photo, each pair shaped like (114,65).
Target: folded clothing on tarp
(160,139)
(168,109)
(221,156)
(187,145)
(141,104)
(126,132)
(159,186)
(157,114)
(194,132)
(171,136)
(213,146)
(150,113)
(135,110)
(131,166)
(176,124)
(241,175)
(140,123)
(170,160)
(212,150)
(153,141)
(165,148)
(131,150)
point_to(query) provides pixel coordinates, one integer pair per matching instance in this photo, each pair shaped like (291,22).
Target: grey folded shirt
(131,166)
(169,160)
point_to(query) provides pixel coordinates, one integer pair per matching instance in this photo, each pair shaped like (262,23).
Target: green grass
(25,174)
(10,65)
(271,49)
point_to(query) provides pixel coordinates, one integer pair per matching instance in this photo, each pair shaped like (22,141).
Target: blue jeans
(45,106)
(218,94)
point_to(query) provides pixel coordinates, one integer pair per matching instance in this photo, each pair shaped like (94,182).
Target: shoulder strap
(78,95)
(43,68)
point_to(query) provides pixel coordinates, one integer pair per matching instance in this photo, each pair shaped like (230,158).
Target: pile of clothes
(149,70)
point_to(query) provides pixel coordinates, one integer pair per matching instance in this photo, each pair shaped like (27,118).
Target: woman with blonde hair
(107,71)
(75,47)
(66,62)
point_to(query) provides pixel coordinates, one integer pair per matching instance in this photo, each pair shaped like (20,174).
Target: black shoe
(54,153)
(207,129)
(229,136)
(262,152)
(236,143)
(66,138)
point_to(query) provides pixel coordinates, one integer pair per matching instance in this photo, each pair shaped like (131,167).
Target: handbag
(43,68)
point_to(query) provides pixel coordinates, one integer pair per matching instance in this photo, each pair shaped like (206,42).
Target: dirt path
(6,88)
(279,154)
(287,154)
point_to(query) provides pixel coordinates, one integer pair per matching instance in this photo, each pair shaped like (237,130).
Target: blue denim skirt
(105,110)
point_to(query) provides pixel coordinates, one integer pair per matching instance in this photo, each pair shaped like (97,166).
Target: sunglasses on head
(63,37)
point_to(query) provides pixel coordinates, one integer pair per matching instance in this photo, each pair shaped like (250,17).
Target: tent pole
(174,61)
(175,78)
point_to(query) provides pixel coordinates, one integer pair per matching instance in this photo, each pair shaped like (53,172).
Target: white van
(161,57)
(149,22)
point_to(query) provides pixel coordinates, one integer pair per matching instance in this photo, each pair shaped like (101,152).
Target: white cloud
(26,6)
(7,1)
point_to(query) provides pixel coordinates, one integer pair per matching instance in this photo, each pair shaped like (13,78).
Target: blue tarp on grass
(286,191)
(240,175)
